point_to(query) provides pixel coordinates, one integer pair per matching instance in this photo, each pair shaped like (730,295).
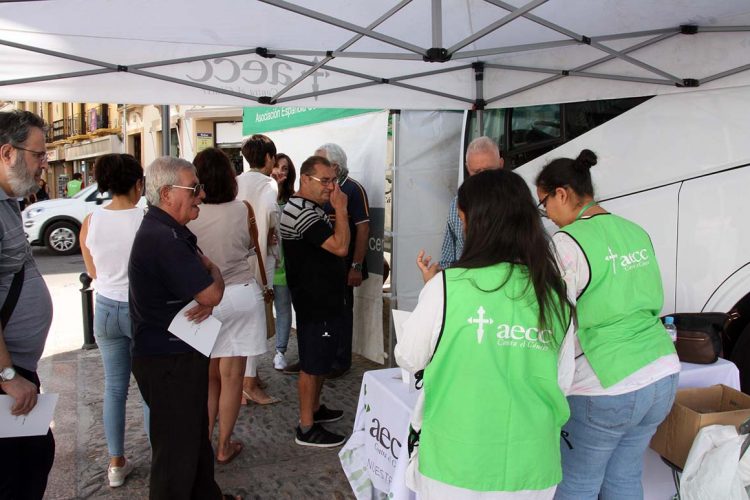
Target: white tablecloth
(376,455)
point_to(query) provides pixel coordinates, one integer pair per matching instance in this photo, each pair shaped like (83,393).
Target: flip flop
(271,400)
(237,448)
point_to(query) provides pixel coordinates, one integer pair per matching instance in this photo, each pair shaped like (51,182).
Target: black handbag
(699,336)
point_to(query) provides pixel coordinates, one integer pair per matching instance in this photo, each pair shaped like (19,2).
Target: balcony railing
(81,124)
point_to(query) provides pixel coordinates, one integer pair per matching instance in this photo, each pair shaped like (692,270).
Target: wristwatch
(357,266)
(7,374)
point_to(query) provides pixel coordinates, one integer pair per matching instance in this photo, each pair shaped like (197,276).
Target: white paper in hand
(200,336)
(35,423)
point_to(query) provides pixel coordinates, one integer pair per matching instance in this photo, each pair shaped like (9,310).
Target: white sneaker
(279,361)
(117,475)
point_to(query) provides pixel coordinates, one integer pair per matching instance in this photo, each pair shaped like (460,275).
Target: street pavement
(271,466)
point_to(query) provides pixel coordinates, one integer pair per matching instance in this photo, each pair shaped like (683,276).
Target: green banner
(269,118)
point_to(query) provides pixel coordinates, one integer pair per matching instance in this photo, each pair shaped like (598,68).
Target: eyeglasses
(542,207)
(324,182)
(39,155)
(195,189)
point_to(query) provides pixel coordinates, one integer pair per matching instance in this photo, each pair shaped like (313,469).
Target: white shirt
(575,271)
(110,239)
(262,191)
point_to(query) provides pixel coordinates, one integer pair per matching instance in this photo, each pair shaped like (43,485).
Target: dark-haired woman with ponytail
(626,366)
(486,339)
(106,239)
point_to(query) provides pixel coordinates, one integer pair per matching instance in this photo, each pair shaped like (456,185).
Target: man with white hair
(358,208)
(482,154)
(26,313)
(166,272)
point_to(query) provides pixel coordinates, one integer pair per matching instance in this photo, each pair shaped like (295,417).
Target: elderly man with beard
(26,312)
(166,272)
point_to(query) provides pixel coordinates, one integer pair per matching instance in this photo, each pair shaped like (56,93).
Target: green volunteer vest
(618,312)
(74,187)
(493,409)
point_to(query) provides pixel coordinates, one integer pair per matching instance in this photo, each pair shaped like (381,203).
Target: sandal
(237,448)
(269,401)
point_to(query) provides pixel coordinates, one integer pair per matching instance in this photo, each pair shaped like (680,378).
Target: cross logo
(612,257)
(480,321)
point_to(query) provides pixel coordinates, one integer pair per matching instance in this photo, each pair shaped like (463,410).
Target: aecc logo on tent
(253,71)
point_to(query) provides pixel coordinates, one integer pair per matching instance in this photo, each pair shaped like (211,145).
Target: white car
(56,223)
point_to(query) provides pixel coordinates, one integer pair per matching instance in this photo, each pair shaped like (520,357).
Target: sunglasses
(195,189)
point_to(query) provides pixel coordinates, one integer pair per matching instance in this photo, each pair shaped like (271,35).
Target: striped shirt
(316,277)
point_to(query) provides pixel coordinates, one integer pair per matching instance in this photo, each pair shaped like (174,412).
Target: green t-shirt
(73,187)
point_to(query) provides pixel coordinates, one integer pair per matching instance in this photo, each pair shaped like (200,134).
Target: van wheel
(62,238)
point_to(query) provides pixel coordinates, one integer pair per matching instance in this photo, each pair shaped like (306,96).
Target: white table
(375,457)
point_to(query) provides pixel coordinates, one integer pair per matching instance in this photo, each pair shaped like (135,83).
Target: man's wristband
(357,266)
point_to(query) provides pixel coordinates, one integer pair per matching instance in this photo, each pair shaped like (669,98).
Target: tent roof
(409,54)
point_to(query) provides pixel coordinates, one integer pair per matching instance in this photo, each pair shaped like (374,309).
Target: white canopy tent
(407,54)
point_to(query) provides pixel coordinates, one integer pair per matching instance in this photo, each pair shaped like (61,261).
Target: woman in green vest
(485,340)
(626,366)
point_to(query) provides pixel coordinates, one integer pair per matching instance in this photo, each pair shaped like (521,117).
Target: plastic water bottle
(670,328)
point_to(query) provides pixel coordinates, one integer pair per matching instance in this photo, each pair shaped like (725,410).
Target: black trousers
(25,462)
(343,360)
(175,388)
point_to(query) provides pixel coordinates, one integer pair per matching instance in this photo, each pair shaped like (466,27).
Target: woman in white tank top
(106,239)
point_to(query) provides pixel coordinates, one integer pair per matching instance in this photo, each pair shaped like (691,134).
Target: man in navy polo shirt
(166,272)
(358,209)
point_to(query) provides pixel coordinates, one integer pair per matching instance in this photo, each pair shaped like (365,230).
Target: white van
(678,165)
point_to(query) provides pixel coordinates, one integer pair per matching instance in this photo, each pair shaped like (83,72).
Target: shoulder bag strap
(12,299)
(253,228)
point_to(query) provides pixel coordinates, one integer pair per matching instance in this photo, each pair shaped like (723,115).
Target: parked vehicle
(678,165)
(56,223)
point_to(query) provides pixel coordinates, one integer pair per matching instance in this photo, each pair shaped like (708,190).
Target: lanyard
(585,207)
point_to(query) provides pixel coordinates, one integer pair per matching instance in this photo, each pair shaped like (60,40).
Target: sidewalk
(271,466)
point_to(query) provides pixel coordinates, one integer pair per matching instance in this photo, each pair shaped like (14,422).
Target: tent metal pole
(634,34)
(433,92)
(437,23)
(722,29)
(429,73)
(61,55)
(345,25)
(466,54)
(336,54)
(605,76)
(594,44)
(343,47)
(169,62)
(394,243)
(59,76)
(327,91)
(166,132)
(591,64)
(730,72)
(515,14)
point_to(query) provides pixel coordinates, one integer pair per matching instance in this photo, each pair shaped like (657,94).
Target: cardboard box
(694,409)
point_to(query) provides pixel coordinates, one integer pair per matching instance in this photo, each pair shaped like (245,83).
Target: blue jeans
(609,435)
(113,336)
(282,301)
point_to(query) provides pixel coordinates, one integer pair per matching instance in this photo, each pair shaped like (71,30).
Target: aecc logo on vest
(530,337)
(628,261)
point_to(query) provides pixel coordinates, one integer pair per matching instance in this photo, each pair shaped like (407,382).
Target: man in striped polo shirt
(314,252)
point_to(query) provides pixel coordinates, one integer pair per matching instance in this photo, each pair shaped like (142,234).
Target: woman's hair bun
(586,159)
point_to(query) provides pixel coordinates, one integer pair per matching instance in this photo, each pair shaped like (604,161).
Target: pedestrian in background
(285,175)
(106,239)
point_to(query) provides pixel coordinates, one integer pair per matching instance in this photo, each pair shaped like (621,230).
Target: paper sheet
(36,423)
(200,336)
(399,318)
